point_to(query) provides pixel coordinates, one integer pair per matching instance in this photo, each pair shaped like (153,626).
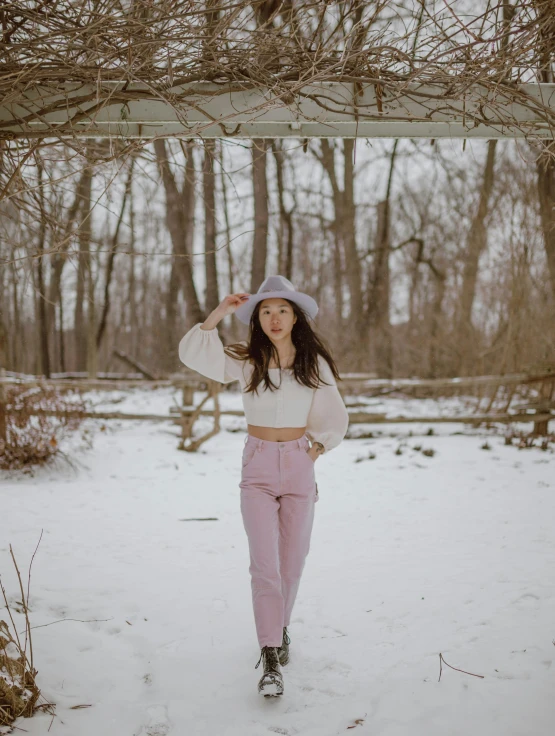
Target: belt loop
(246,439)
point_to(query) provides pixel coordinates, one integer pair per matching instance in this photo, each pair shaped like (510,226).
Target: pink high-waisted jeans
(278,492)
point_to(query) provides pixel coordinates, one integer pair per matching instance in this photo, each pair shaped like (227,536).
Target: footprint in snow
(157,723)
(528,600)
(219,605)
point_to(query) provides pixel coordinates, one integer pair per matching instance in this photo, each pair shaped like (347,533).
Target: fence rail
(540,411)
(356,417)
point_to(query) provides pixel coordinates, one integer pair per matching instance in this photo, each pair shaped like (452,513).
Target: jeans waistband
(290,445)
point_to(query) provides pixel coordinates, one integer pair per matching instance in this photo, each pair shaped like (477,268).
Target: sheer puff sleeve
(203,351)
(328,418)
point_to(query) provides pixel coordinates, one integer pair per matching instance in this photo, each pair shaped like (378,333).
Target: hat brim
(307,303)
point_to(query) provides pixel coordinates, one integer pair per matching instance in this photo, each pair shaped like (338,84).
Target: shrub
(19,692)
(36,419)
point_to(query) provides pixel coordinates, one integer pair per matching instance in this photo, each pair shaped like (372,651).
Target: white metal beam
(327,109)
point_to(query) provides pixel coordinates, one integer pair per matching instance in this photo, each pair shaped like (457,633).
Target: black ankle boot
(283,651)
(271,682)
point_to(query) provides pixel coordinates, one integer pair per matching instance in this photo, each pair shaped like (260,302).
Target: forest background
(428,258)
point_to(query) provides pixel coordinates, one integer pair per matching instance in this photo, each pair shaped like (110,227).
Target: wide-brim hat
(275,287)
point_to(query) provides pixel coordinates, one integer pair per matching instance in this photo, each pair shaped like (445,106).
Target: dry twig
(441,660)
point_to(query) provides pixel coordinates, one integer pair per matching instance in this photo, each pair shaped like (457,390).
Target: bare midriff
(272,434)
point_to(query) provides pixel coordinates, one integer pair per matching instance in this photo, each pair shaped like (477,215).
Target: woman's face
(276,319)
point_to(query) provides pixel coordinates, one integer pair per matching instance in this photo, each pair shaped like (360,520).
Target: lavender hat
(275,287)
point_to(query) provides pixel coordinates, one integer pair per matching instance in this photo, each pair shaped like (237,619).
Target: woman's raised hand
(230,303)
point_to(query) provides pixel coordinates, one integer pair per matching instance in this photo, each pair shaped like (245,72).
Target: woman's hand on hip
(312,453)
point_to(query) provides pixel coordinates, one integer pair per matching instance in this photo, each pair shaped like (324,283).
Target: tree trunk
(285,250)
(59,258)
(112,256)
(18,344)
(209,188)
(358,321)
(3,334)
(171,317)
(79,336)
(379,296)
(260,190)
(92,351)
(546,162)
(178,219)
(379,292)
(42,326)
(131,294)
(62,341)
(328,162)
(414,282)
(436,316)
(86,245)
(476,244)
(230,263)
(546,194)
(234,327)
(3,350)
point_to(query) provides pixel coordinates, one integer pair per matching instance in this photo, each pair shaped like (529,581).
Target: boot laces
(271,660)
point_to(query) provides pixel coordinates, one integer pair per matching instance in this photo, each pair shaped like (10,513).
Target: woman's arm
(328,418)
(202,350)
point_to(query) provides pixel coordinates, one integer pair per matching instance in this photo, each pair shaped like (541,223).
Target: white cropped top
(320,410)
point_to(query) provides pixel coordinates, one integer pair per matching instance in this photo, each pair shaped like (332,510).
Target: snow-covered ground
(411,555)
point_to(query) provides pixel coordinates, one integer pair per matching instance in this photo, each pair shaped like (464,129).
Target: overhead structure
(317,110)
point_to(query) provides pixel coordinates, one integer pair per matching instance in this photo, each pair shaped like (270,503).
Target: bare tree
(112,256)
(285,233)
(260,191)
(546,195)
(546,161)
(179,219)
(131,300)
(352,259)
(223,187)
(328,161)
(475,246)
(59,258)
(83,269)
(209,187)
(44,358)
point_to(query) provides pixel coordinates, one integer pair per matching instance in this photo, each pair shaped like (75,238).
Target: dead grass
(19,692)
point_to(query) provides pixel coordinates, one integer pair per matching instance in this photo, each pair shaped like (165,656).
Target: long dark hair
(259,350)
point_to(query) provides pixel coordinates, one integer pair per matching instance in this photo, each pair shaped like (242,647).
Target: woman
(294,414)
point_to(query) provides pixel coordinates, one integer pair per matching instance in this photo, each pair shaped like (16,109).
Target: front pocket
(248,454)
(309,459)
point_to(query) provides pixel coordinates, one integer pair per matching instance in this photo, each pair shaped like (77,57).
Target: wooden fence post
(3,415)
(541,428)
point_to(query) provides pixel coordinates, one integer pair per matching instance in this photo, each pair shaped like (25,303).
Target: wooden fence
(540,410)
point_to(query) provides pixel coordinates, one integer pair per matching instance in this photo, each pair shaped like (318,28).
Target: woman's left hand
(312,453)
